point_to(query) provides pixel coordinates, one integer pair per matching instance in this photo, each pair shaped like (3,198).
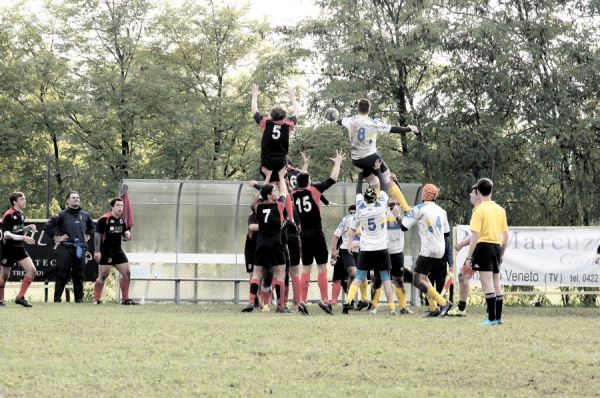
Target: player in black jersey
(111,229)
(269,247)
(71,229)
(276,130)
(307,199)
(13,247)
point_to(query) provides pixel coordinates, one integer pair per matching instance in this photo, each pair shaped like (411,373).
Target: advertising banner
(43,256)
(546,256)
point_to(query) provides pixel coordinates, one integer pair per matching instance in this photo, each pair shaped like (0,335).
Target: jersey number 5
(276,132)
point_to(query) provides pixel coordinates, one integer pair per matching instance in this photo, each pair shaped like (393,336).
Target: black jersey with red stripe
(112,229)
(308,203)
(270,219)
(275,136)
(13,221)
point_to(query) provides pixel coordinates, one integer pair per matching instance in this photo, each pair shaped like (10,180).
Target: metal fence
(188,238)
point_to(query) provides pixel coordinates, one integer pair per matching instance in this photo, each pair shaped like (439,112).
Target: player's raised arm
(305,162)
(402,129)
(254,101)
(295,107)
(283,191)
(339,158)
(382,183)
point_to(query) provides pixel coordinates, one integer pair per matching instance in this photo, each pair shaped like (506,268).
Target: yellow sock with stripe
(436,296)
(401,297)
(351,293)
(431,301)
(376,298)
(364,290)
(397,194)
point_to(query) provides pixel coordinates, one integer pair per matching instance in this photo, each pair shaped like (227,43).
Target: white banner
(540,256)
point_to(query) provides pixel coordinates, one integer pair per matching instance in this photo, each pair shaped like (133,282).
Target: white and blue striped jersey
(363,133)
(373,222)
(433,224)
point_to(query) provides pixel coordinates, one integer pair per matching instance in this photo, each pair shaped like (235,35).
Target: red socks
(323,287)
(24,286)
(336,288)
(280,289)
(304,283)
(98,287)
(253,291)
(124,283)
(296,287)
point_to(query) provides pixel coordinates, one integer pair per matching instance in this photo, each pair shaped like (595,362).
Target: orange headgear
(429,192)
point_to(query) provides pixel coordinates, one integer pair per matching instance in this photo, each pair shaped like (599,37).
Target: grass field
(214,350)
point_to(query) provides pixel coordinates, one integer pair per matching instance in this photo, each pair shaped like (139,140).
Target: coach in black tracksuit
(71,228)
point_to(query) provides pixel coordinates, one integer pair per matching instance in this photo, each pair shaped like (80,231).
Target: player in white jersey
(371,217)
(363,133)
(433,227)
(340,256)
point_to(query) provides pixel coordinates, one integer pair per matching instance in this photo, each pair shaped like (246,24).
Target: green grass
(214,350)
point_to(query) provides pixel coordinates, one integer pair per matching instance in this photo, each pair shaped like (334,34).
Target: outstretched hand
(339,156)
(377,164)
(255,92)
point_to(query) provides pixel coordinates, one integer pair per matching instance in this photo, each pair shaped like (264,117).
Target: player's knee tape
(361,275)
(385,275)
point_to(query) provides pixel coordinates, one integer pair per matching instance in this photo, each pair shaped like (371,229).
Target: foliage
(97,91)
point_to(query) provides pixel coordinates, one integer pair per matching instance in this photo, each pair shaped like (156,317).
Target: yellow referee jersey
(489,220)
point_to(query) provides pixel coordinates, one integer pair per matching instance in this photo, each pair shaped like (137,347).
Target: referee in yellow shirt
(489,238)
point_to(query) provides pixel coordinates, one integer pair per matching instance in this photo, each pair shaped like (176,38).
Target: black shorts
(113,258)
(339,271)
(349,259)
(12,254)
(293,245)
(486,257)
(269,256)
(378,260)
(366,164)
(314,247)
(424,265)
(397,260)
(274,165)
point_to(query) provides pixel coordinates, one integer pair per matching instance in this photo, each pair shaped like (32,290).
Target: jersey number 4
(304,204)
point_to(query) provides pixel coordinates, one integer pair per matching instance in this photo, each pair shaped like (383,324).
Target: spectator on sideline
(71,229)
